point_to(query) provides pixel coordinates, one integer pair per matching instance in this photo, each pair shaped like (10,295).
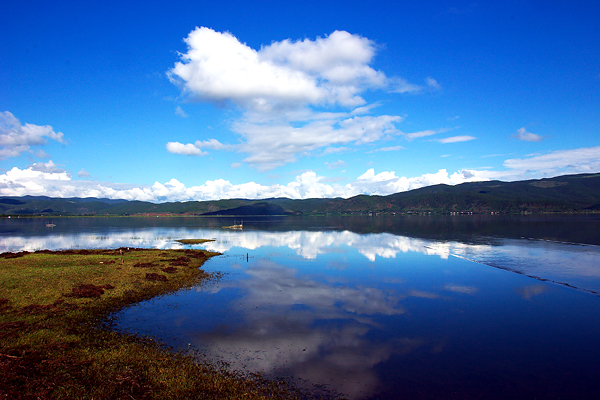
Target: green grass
(53,345)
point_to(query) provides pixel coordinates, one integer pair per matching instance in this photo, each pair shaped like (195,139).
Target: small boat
(50,225)
(236,226)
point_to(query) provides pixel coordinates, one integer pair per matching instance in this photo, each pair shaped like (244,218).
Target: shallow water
(467,307)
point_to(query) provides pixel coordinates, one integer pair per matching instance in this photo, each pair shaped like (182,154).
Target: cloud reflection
(296,326)
(452,287)
(560,262)
(527,292)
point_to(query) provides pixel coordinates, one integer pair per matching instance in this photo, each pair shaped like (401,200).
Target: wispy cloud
(392,148)
(84,174)
(271,144)
(583,160)
(400,85)
(522,134)
(457,139)
(460,288)
(16,138)
(432,83)
(420,134)
(179,111)
(336,164)
(334,150)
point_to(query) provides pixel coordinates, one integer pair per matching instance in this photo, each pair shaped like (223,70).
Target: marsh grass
(54,343)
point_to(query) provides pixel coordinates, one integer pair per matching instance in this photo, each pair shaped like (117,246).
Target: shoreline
(56,341)
(342,214)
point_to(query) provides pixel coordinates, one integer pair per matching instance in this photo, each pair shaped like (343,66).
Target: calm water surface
(391,308)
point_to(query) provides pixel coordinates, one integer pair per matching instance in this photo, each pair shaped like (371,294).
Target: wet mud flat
(56,341)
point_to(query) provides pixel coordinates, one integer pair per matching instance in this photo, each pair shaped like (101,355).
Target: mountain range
(567,193)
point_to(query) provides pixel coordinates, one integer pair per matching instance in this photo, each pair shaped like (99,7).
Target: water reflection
(311,330)
(382,313)
(528,292)
(147,239)
(565,263)
(399,327)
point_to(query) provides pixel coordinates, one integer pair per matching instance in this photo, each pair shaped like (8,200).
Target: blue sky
(180,100)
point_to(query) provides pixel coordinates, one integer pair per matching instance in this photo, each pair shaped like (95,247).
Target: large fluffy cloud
(330,70)
(285,91)
(16,138)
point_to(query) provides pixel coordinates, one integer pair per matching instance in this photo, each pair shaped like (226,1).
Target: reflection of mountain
(563,193)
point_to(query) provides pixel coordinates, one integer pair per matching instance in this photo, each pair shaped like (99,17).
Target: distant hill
(262,208)
(35,205)
(568,193)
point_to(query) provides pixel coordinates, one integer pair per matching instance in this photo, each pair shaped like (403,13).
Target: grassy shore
(53,345)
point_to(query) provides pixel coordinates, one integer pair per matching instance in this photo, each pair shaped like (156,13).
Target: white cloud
(186,149)
(583,160)
(400,85)
(213,144)
(22,182)
(420,134)
(387,182)
(195,149)
(49,167)
(218,67)
(392,148)
(522,134)
(336,164)
(39,153)
(16,139)
(284,90)
(457,139)
(334,150)
(83,173)
(271,145)
(30,181)
(49,180)
(179,111)
(432,83)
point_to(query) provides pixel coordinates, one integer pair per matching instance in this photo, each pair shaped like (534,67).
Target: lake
(383,307)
